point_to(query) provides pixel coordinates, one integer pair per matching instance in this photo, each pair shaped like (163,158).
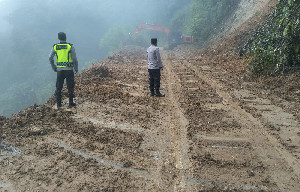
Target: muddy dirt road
(214,131)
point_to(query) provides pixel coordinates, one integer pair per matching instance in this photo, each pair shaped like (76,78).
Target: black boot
(71,103)
(159,94)
(58,102)
(59,105)
(152,92)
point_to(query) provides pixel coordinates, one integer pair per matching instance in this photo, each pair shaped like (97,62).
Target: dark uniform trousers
(61,76)
(154,79)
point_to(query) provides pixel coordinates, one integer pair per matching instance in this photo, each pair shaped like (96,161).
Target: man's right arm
(51,59)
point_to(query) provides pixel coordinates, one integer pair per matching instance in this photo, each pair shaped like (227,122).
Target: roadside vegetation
(275,47)
(207,17)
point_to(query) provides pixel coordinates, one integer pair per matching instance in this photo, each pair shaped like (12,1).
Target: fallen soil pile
(217,129)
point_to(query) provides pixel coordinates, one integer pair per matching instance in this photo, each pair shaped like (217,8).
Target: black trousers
(154,79)
(61,76)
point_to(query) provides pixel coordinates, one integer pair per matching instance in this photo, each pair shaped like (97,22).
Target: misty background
(28,30)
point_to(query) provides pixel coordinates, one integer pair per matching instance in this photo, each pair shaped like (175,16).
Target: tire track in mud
(159,154)
(166,143)
(201,176)
(177,127)
(263,142)
(156,144)
(183,140)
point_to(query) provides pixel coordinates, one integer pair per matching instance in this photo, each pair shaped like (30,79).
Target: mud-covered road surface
(214,131)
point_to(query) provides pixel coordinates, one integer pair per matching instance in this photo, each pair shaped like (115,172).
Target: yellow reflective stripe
(63,66)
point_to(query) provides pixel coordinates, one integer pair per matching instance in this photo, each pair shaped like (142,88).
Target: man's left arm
(159,59)
(74,58)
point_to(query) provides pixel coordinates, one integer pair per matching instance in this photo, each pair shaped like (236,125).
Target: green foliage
(144,36)
(119,36)
(141,39)
(207,16)
(20,95)
(180,20)
(114,38)
(277,41)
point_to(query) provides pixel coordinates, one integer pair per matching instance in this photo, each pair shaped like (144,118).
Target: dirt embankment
(216,130)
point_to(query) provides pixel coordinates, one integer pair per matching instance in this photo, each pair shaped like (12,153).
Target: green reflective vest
(63,55)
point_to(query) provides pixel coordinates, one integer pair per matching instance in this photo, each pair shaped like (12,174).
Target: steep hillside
(217,129)
(247,10)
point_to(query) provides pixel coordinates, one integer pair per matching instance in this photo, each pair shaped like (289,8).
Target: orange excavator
(173,38)
(150,27)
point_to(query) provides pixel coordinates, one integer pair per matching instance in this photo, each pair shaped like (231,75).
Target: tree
(277,41)
(114,38)
(207,16)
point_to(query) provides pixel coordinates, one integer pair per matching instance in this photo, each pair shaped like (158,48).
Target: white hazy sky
(5,10)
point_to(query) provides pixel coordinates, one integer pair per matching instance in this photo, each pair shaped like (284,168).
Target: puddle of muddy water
(228,147)
(225,142)
(10,148)
(6,186)
(220,138)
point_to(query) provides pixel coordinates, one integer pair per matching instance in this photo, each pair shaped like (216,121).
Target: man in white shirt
(154,67)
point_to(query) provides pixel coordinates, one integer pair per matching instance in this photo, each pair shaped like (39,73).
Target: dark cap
(62,36)
(154,41)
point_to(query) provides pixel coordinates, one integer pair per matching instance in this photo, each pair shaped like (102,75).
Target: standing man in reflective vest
(66,63)
(154,67)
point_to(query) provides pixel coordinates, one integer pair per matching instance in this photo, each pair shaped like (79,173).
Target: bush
(277,41)
(207,16)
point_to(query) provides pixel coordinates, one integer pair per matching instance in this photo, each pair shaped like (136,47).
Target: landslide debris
(120,139)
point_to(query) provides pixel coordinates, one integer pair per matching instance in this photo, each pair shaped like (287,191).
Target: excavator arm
(150,27)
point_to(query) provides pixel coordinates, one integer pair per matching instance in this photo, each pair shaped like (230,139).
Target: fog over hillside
(29,29)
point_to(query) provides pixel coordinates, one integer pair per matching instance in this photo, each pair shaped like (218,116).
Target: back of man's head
(62,36)
(154,41)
